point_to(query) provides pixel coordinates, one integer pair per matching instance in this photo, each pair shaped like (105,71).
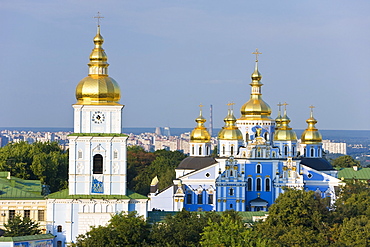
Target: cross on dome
(256,53)
(99,17)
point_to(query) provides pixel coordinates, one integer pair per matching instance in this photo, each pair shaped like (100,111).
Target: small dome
(200,133)
(285,132)
(230,131)
(311,135)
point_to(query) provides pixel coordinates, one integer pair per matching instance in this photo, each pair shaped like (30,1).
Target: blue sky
(170,56)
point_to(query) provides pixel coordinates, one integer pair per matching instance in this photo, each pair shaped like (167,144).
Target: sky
(169,56)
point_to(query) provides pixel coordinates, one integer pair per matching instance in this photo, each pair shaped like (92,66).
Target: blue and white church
(97,158)
(258,157)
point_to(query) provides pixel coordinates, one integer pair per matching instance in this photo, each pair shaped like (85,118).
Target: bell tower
(97,158)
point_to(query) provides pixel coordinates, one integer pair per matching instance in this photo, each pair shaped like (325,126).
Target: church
(257,158)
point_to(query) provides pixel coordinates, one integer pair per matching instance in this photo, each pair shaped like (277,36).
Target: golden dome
(311,135)
(98,88)
(285,132)
(255,108)
(200,133)
(230,131)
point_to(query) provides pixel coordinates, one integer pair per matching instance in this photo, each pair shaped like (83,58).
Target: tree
(345,161)
(296,217)
(44,161)
(355,232)
(18,226)
(181,229)
(229,231)
(124,229)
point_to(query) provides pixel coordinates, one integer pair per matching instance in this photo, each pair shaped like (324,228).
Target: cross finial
(201,105)
(230,104)
(279,105)
(98,17)
(256,53)
(284,104)
(311,107)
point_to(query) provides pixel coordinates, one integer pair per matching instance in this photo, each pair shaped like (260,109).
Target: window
(223,149)
(231,191)
(59,228)
(200,150)
(80,154)
(231,205)
(41,215)
(285,150)
(210,199)
(231,173)
(259,185)
(189,198)
(207,150)
(249,184)
(258,168)
(192,150)
(98,164)
(232,150)
(27,213)
(293,150)
(200,198)
(59,244)
(115,154)
(11,214)
(247,137)
(267,184)
(312,152)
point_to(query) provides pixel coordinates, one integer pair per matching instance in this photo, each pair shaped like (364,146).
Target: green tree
(181,229)
(229,231)
(44,161)
(124,229)
(355,232)
(296,218)
(18,226)
(345,161)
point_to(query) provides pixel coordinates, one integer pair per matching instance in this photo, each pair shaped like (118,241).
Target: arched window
(267,184)
(59,228)
(223,149)
(200,150)
(247,137)
(189,198)
(249,184)
(259,168)
(319,150)
(192,150)
(304,153)
(312,152)
(285,150)
(98,164)
(200,198)
(231,191)
(293,151)
(258,184)
(207,150)
(266,136)
(232,150)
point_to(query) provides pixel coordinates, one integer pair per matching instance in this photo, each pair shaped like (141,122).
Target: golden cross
(279,105)
(98,17)
(256,53)
(201,105)
(311,106)
(230,104)
(285,104)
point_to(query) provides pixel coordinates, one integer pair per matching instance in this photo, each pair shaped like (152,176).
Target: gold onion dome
(311,135)
(200,133)
(98,88)
(230,131)
(285,132)
(256,108)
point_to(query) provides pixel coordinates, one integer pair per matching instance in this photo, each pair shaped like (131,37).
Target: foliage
(144,166)
(296,217)
(182,229)
(44,161)
(345,161)
(123,230)
(21,227)
(355,232)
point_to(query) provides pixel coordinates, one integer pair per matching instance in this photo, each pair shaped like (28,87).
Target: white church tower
(97,154)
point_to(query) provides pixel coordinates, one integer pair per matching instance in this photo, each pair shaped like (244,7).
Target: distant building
(334,147)
(356,172)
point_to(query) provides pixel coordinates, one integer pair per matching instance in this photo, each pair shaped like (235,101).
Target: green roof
(27,238)
(99,134)
(350,173)
(64,194)
(19,189)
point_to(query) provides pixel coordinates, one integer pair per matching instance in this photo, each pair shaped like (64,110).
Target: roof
(27,238)
(12,188)
(258,199)
(196,163)
(350,173)
(64,194)
(319,164)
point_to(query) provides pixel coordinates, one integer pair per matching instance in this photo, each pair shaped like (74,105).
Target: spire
(311,135)
(256,108)
(98,59)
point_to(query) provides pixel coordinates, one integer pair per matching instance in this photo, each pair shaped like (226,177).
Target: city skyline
(168,57)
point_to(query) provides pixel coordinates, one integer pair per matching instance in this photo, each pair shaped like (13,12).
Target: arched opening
(232,150)
(285,150)
(59,228)
(258,169)
(200,198)
(98,164)
(231,191)
(312,152)
(258,185)
(223,149)
(267,184)
(200,150)
(246,137)
(249,184)
(192,150)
